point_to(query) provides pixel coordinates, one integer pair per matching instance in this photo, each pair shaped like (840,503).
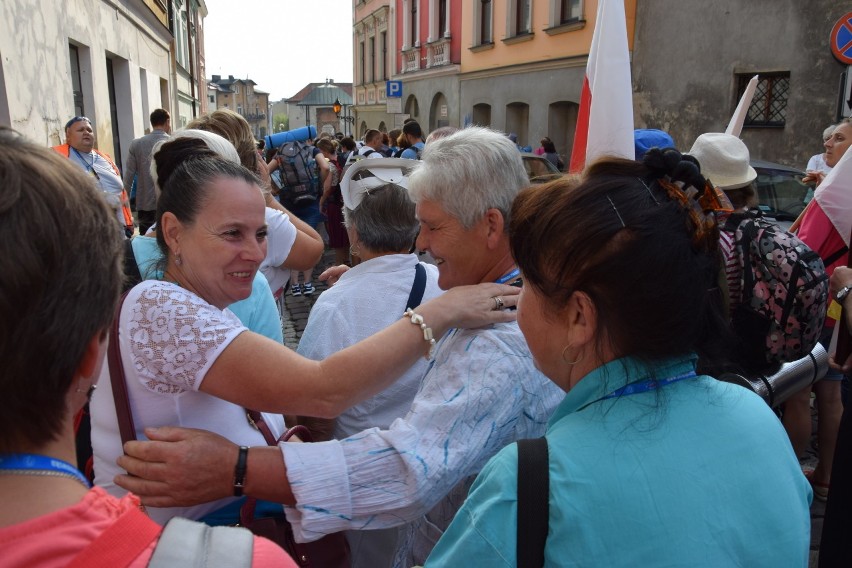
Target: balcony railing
(411,60)
(251,117)
(438,53)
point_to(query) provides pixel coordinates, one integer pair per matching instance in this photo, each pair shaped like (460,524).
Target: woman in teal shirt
(650,462)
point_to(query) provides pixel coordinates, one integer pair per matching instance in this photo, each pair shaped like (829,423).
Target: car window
(781,193)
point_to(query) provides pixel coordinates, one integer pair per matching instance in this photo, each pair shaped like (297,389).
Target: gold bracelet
(417,320)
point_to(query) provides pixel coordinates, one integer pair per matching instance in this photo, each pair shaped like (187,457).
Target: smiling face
(462,255)
(222,250)
(838,143)
(80,136)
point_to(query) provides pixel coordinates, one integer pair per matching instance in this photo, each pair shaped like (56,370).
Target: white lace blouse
(169,339)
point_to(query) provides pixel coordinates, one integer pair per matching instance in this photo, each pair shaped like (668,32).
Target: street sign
(841,39)
(846,94)
(394,106)
(393,89)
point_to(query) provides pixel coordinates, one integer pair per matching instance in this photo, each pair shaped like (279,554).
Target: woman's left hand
(470,307)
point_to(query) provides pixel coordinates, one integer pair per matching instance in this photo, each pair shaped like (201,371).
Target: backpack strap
(121,543)
(189,543)
(417,289)
(132,276)
(368,152)
(119,381)
(835,256)
(533,502)
(748,228)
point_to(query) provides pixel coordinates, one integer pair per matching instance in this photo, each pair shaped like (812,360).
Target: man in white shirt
(372,145)
(481,392)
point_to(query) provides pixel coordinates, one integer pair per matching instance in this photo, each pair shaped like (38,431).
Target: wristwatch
(841,295)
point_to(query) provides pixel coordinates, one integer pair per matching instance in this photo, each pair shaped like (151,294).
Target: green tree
(280,122)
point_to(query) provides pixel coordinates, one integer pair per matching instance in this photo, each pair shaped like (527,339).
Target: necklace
(35,464)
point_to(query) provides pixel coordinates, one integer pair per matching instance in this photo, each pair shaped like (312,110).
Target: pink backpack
(784,290)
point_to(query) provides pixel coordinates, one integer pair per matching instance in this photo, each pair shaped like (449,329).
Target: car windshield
(540,170)
(781,193)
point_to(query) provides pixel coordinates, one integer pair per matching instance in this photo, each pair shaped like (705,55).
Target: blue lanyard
(513,274)
(39,463)
(646,385)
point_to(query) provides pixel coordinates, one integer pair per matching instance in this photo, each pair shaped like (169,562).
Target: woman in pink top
(56,304)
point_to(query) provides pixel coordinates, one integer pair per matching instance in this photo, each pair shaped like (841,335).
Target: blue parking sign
(393,89)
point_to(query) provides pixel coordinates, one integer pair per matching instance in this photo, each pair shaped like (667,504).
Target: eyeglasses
(75,120)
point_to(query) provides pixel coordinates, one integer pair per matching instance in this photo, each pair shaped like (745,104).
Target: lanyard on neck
(514,273)
(40,465)
(645,386)
(90,168)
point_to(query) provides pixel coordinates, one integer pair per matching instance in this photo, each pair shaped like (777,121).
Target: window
(236,88)
(212,99)
(384,55)
(570,11)
(443,22)
(372,59)
(76,83)
(239,109)
(522,17)
(361,62)
(483,32)
(769,105)
(412,24)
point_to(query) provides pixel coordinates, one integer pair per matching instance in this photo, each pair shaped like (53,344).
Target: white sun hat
(724,160)
(364,175)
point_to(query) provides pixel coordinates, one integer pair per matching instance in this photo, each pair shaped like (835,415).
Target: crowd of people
(545,390)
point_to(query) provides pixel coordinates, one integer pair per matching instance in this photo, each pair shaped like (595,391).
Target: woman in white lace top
(190,362)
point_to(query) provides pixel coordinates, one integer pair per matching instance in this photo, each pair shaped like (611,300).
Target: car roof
(762,164)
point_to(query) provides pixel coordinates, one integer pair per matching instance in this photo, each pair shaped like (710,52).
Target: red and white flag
(834,196)
(605,119)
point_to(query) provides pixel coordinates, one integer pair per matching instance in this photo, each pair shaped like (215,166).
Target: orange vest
(65,150)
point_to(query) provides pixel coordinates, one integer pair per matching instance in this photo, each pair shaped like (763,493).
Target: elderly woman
(60,300)
(190,362)
(650,463)
(381,225)
(80,148)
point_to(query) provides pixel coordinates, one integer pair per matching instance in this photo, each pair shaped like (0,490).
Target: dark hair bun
(176,152)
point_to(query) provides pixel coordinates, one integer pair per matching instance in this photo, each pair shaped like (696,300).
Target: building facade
(112,62)
(241,96)
(313,105)
(519,66)
(691,85)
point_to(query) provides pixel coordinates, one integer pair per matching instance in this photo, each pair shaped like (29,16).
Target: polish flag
(605,119)
(827,223)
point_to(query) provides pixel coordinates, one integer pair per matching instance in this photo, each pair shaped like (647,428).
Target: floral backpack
(784,290)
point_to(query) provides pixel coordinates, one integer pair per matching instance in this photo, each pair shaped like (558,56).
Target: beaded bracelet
(417,320)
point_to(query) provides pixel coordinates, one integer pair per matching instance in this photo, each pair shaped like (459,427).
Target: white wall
(35,84)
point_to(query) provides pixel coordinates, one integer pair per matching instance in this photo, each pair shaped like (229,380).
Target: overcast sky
(282,45)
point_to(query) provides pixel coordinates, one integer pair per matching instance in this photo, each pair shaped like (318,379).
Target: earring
(178,260)
(354,252)
(89,392)
(572,363)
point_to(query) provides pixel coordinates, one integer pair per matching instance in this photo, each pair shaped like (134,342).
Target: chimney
(217,78)
(231,78)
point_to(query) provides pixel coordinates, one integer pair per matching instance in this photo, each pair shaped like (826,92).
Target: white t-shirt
(367,152)
(169,338)
(279,242)
(817,163)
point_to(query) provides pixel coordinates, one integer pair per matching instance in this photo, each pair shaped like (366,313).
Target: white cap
(366,174)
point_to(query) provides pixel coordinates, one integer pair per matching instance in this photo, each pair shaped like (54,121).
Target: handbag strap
(121,543)
(417,289)
(533,502)
(119,381)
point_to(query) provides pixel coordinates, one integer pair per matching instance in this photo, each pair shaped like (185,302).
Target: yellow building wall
(542,46)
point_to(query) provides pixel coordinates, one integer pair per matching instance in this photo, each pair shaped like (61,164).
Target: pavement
(294,317)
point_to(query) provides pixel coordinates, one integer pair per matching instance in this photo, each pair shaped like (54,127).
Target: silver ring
(498,302)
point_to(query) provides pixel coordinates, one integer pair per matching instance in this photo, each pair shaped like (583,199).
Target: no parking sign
(841,39)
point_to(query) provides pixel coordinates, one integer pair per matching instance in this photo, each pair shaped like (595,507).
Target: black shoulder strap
(417,289)
(533,502)
(132,276)
(834,257)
